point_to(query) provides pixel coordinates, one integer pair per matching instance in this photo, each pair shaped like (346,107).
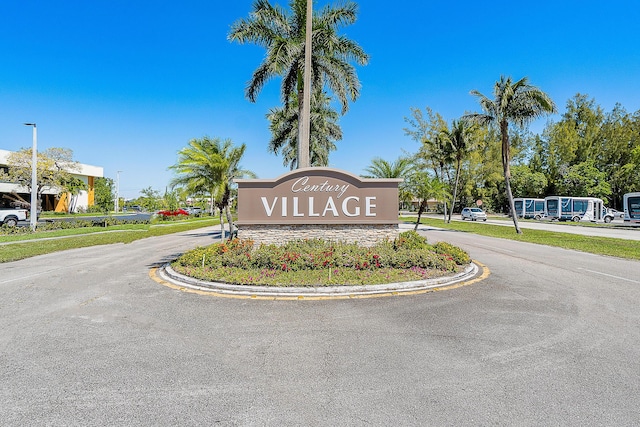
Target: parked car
(473,214)
(615,213)
(10,217)
(193,210)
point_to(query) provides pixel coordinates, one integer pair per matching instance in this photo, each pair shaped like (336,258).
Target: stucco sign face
(318,196)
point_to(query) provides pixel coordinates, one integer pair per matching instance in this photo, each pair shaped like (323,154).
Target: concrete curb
(166,273)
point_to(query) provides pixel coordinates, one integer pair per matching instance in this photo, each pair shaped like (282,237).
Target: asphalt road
(552,337)
(617,229)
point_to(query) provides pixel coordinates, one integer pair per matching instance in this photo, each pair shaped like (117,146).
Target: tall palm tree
(459,145)
(282,34)
(514,102)
(208,166)
(283,123)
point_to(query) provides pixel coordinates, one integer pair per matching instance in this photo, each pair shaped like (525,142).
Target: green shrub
(239,258)
(411,240)
(447,249)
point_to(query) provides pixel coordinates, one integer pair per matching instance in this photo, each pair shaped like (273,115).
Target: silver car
(473,214)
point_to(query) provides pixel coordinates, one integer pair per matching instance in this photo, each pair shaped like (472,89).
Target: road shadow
(165,259)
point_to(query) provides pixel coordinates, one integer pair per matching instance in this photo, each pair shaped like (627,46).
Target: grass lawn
(24,246)
(620,248)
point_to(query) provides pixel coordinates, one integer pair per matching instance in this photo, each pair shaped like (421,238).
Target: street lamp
(34,177)
(117,203)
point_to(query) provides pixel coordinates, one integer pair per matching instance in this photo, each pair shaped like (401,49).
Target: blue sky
(126,84)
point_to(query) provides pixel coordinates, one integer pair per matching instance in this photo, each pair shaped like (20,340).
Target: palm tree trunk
(420,211)
(504,130)
(227,211)
(455,189)
(221,226)
(300,125)
(445,199)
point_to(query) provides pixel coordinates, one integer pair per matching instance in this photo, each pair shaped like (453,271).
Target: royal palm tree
(282,34)
(283,123)
(459,145)
(208,166)
(513,102)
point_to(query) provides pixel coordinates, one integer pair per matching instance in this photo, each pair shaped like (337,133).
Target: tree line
(586,152)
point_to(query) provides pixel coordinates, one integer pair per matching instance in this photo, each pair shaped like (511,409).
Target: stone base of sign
(363,234)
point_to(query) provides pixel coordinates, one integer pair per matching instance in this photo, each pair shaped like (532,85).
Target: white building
(53,199)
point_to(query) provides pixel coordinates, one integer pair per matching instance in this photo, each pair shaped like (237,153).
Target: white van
(631,204)
(567,208)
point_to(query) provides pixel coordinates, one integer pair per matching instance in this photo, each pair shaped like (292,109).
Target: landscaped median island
(316,262)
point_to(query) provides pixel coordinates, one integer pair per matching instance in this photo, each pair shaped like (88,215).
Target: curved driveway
(552,337)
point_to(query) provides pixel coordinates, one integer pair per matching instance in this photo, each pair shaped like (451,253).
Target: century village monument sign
(318,202)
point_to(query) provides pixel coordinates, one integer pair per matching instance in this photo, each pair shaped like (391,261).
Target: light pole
(117,203)
(34,178)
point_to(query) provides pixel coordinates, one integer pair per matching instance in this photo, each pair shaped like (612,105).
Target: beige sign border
(318,195)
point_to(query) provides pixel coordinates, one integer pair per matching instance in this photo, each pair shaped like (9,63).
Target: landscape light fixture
(34,178)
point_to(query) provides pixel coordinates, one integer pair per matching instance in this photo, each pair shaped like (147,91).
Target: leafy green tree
(434,150)
(55,167)
(282,34)
(526,183)
(572,140)
(150,199)
(618,137)
(171,199)
(325,131)
(104,193)
(514,102)
(585,180)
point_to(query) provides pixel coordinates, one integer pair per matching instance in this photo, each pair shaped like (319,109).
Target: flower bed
(317,262)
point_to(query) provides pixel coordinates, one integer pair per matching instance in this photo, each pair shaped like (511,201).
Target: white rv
(631,204)
(567,208)
(529,207)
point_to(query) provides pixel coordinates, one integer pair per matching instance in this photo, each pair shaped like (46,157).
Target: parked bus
(529,208)
(566,208)
(631,204)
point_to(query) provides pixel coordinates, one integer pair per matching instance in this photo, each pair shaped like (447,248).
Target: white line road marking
(609,275)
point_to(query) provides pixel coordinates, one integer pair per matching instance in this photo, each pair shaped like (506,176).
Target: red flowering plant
(409,256)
